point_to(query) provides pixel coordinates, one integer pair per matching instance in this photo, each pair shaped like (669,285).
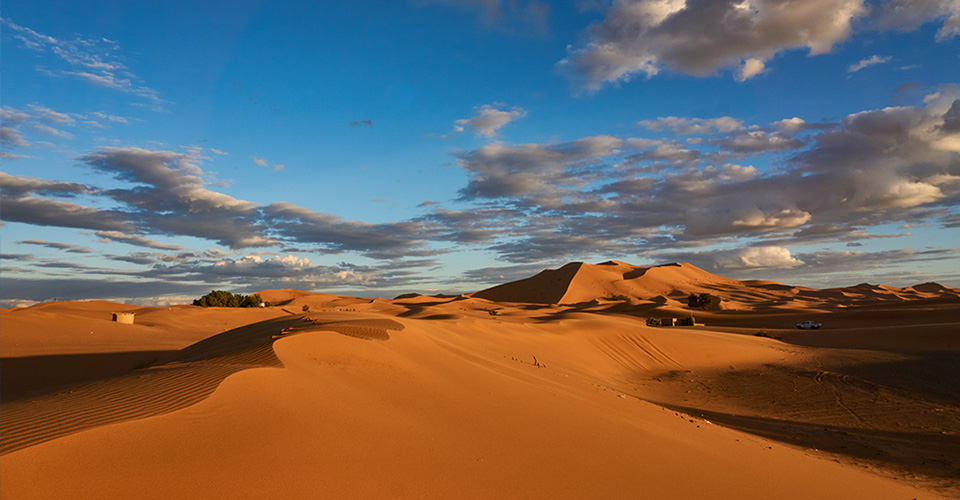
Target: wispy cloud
(137,240)
(11,156)
(67,247)
(37,119)
(11,138)
(691,126)
(261,161)
(164,192)
(94,61)
(870,61)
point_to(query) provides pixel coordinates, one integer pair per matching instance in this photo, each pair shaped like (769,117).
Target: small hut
(126,318)
(666,321)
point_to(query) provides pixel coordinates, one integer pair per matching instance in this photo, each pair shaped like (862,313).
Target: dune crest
(579,282)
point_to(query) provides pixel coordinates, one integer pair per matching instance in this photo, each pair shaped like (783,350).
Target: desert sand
(549,387)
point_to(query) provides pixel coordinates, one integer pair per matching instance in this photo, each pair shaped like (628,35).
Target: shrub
(621,297)
(703,301)
(222,298)
(653,322)
(251,301)
(766,334)
(305,308)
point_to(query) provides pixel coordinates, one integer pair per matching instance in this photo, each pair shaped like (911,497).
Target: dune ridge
(670,284)
(178,381)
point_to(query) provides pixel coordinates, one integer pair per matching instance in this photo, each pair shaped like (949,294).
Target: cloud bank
(704,37)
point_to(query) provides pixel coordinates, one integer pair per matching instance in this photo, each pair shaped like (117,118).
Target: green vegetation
(621,297)
(305,308)
(703,301)
(221,298)
(653,322)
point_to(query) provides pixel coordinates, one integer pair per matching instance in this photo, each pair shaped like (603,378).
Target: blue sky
(152,152)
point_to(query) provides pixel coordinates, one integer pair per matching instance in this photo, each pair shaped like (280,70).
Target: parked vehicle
(809,325)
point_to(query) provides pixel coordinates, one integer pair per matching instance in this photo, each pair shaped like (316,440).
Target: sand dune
(172,382)
(579,282)
(563,394)
(666,287)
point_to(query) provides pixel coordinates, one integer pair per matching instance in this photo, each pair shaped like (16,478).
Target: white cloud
(749,68)
(767,257)
(43,120)
(48,130)
(777,219)
(870,61)
(908,15)
(12,117)
(644,36)
(109,117)
(51,116)
(489,119)
(261,161)
(756,141)
(12,138)
(792,125)
(92,60)
(289,268)
(701,37)
(690,126)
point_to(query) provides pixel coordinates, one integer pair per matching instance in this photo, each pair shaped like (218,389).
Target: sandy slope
(467,397)
(71,327)
(440,414)
(67,342)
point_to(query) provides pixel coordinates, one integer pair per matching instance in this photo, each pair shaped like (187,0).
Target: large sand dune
(543,388)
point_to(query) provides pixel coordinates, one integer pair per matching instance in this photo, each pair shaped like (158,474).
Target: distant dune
(548,387)
(578,283)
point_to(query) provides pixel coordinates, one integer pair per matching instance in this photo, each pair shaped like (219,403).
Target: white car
(809,325)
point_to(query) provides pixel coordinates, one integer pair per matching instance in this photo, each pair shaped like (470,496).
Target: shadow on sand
(931,457)
(177,380)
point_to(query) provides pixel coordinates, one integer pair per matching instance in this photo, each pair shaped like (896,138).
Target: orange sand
(544,388)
